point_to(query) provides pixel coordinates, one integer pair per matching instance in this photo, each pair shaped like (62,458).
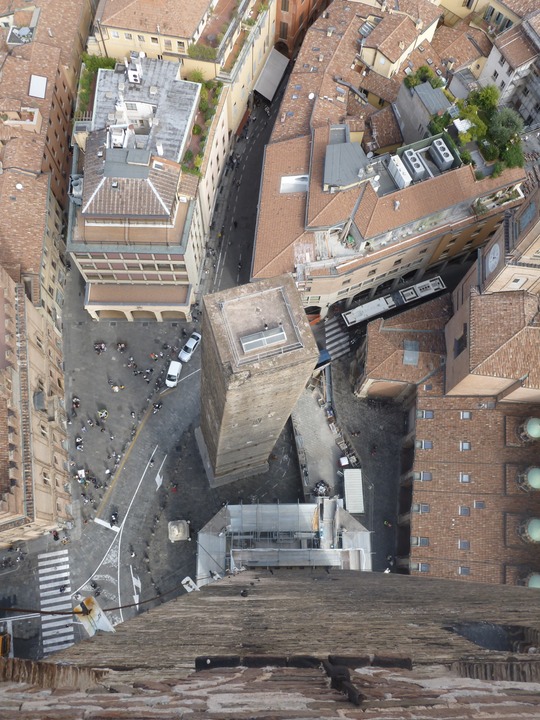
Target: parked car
(173,374)
(189,348)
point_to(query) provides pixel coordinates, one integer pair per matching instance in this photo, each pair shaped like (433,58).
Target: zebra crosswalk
(337,339)
(53,574)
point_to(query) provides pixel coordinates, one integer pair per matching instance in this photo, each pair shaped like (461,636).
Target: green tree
(478,128)
(94,62)
(505,125)
(486,99)
(513,155)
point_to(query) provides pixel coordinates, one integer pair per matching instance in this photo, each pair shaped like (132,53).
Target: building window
(464,544)
(501,61)
(419,541)
(140,38)
(463,570)
(128,36)
(464,510)
(464,477)
(115,34)
(502,85)
(371,272)
(154,40)
(283,30)
(495,75)
(180,46)
(284,5)
(423,567)
(464,445)
(465,415)
(420,508)
(479,504)
(424,444)
(460,343)
(425,414)
(167,44)
(423,476)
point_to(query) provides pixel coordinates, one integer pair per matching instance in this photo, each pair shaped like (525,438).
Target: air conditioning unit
(399,172)
(440,154)
(414,165)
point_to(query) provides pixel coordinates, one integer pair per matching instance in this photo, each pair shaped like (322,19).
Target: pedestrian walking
(235,224)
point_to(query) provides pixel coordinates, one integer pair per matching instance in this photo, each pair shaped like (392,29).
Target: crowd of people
(92,427)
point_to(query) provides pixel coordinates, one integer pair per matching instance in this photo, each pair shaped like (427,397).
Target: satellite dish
(376,178)
(311,96)
(370,154)
(19,186)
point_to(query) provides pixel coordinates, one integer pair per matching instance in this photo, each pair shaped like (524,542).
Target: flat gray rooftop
(172,103)
(260,324)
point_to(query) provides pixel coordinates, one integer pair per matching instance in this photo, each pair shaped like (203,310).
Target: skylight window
(294,184)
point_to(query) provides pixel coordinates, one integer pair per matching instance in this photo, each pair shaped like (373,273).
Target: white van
(173,374)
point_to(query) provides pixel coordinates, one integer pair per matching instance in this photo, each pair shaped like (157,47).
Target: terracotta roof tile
(382,130)
(521,7)
(504,342)
(386,337)
(371,82)
(425,198)
(281,215)
(516,47)
(462,43)
(173,17)
(131,196)
(392,36)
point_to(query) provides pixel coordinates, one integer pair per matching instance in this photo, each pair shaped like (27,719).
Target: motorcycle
(157,407)
(114,519)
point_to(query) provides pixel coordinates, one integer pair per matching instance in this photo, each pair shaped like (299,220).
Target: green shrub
(489,150)
(93,62)
(208,114)
(466,156)
(203,105)
(198,161)
(202,52)
(479,175)
(196,76)
(197,129)
(498,169)
(513,155)
(188,157)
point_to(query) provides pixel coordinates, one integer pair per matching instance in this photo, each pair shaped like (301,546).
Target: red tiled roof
(179,19)
(281,215)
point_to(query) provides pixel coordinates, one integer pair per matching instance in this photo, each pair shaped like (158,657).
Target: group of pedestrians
(94,426)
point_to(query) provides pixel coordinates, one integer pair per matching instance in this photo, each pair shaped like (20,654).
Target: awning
(271,74)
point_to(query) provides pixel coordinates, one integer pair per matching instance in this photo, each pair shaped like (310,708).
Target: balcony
(497,200)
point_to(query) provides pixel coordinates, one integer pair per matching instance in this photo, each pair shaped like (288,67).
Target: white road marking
(52,554)
(99,521)
(53,573)
(159,476)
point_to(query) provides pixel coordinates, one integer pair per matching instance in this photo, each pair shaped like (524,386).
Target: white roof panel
(38,86)
(271,74)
